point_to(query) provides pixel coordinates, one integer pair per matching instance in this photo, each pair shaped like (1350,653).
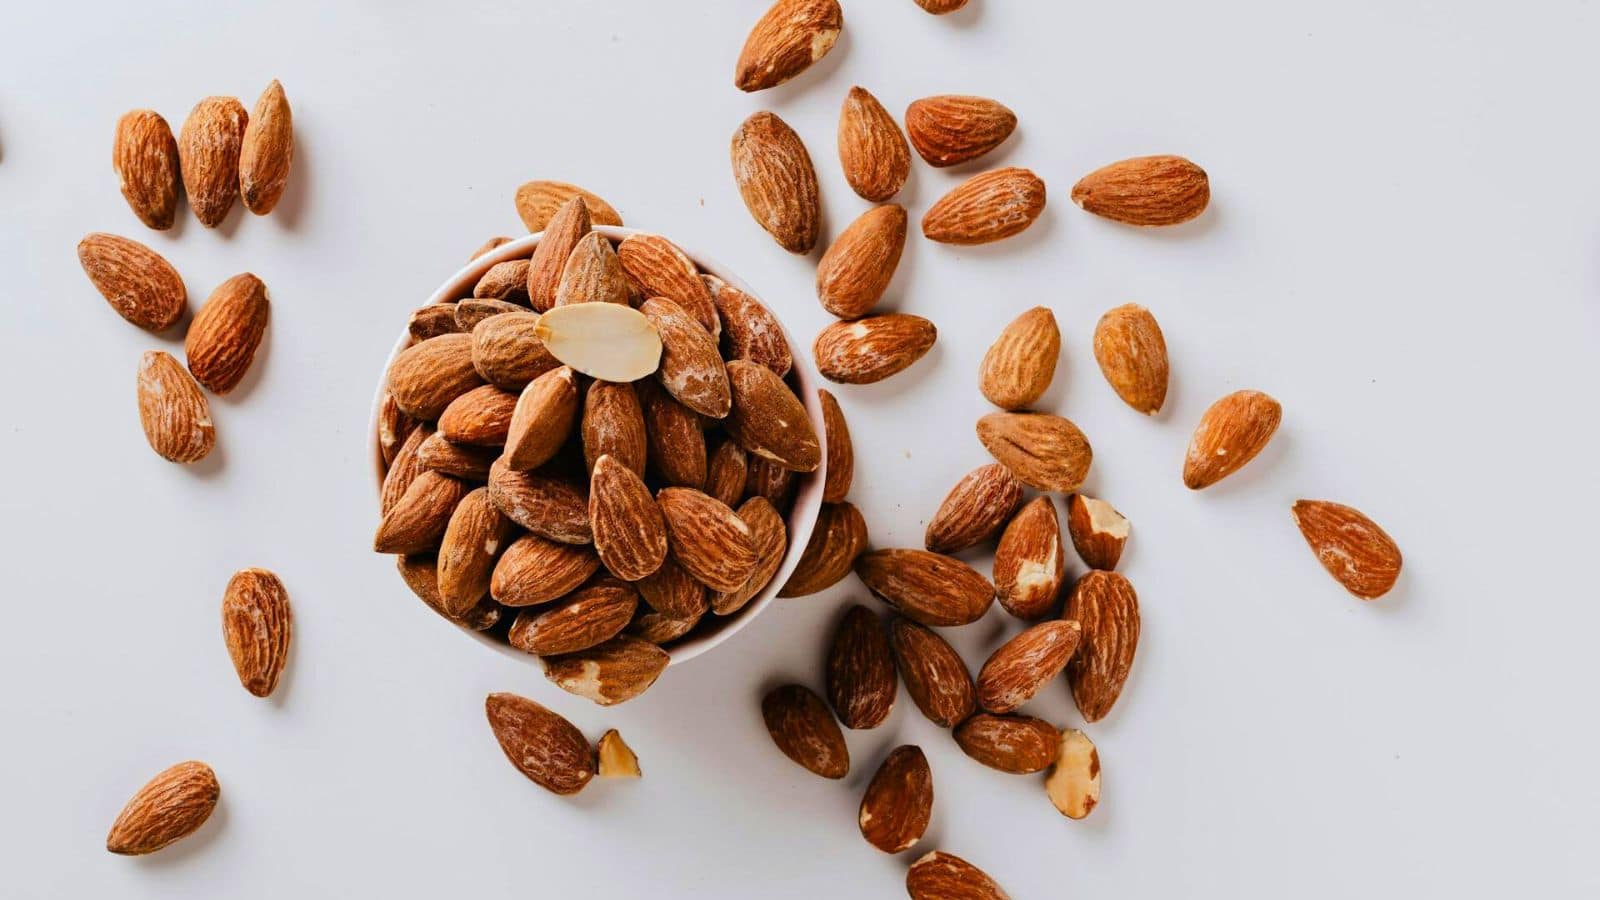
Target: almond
(542,419)
(708,539)
(871,349)
(767,419)
(607,341)
(170,806)
(503,281)
(426,376)
(570,224)
(858,266)
(1019,745)
(939,875)
(1354,550)
(629,532)
(175,415)
(872,150)
(394,427)
(841,453)
(1043,451)
(837,540)
(661,630)
(507,352)
(405,468)
(1019,669)
(975,509)
(1145,190)
(419,517)
(617,759)
(141,286)
(480,417)
(776,179)
(1073,784)
(788,38)
(1030,563)
(1021,363)
(804,729)
(951,128)
(726,471)
(539,201)
(256,624)
(145,157)
(1230,434)
(691,369)
(589,616)
(456,460)
(613,422)
(659,268)
(673,592)
(542,744)
(421,575)
(926,587)
(1132,355)
(208,148)
(546,506)
(935,676)
(1105,606)
(770,537)
(433,320)
(266,151)
(224,335)
(1098,531)
(474,537)
(470,312)
(676,443)
(592,274)
(493,243)
(749,330)
(611,673)
(986,208)
(534,570)
(899,801)
(861,678)
(940,8)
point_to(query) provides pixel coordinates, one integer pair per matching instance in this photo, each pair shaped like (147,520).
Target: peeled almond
(608,341)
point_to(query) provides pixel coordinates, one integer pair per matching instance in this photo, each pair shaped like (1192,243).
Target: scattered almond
(145,157)
(872,349)
(939,875)
(804,729)
(857,267)
(1073,784)
(208,148)
(1355,551)
(1145,190)
(787,39)
(1133,356)
(1030,563)
(986,208)
(1019,745)
(266,151)
(899,801)
(837,540)
(935,676)
(1230,434)
(543,745)
(225,333)
(1106,608)
(776,178)
(611,673)
(1043,451)
(617,759)
(927,587)
(138,283)
(172,805)
(975,509)
(872,149)
(1098,531)
(173,411)
(1023,665)
(952,128)
(861,674)
(256,628)
(1021,363)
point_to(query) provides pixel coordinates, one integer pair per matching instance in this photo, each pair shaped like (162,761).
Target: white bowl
(713,629)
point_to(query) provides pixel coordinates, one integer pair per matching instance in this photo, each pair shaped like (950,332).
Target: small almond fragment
(613,422)
(858,266)
(256,628)
(770,536)
(138,283)
(841,453)
(953,128)
(145,157)
(266,151)
(630,533)
(1145,190)
(787,39)
(609,341)
(611,673)
(1132,355)
(1106,608)
(1021,363)
(1019,745)
(420,516)
(1030,562)
(804,729)
(506,350)
(659,268)
(173,411)
(869,350)
(749,330)
(861,675)
(767,419)
(1022,666)
(940,875)
(172,805)
(691,369)
(935,676)
(1073,784)
(837,540)
(985,208)
(617,759)
(542,419)
(225,333)
(708,539)
(1355,551)
(426,376)
(1230,434)
(208,149)
(928,587)
(539,201)
(1098,531)
(471,542)
(547,506)
(481,417)
(534,570)
(872,149)
(899,801)
(975,509)
(543,745)
(589,616)
(1043,451)
(776,179)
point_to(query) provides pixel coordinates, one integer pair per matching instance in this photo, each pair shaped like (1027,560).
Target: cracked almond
(1030,562)
(785,41)
(1073,784)
(617,759)
(1098,531)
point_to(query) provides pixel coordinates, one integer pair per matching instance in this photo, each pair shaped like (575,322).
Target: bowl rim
(802,518)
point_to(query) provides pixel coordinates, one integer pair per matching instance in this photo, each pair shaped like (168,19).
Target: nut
(266,151)
(538,202)
(872,150)
(173,411)
(1106,608)
(1019,745)
(426,376)
(986,208)
(141,286)
(872,349)
(480,417)
(1030,562)
(611,673)
(1073,784)
(951,128)
(562,233)
(899,801)
(419,517)
(613,422)
(691,369)
(658,268)
(507,352)
(533,570)
(225,333)
(617,759)
(630,533)
(545,505)
(1023,665)
(542,744)
(857,267)
(708,539)
(208,148)
(1355,551)
(776,178)
(145,157)
(1021,363)
(770,537)
(787,39)
(608,341)
(804,729)
(467,551)
(1098,531)
(170,806)
(939,875)
(975,509)
(589,616)
(592,274)
(749,329)
(841,453)
(541,420)
(935,676)
(767,419)
(1132,355)
(861,675)
(1146,190)
(1043,451)
(1230,434)
(256,627)
(838,538)
(927,587)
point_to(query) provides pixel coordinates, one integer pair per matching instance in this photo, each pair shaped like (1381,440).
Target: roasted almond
(394,427)
(935,676)
(545,505)
(975,509)
(767,419)
(534,570)
(493,243)
(691,369)
(939,875)
(1145,190)
(659,268)
(677,444)
(420,516)
(871,349)
(266,151)
(421,575)
(433,320)
(225,333)
(613,422)
(726,471)
(804,729)
(173,411)
(172,805)
(940,8)
(1105,606)
(138,283)
(561,236)
(474,537)
(543,745)
(405,468)
(1073,784)
(592,274)
(457,460)
(470,312)
(610,673)
(145,157)
(952,128)
(1043,451)
(837,540)
(542,419)
(927,587)
(986,208)
(841,453)
(539,201)
(770,481)
(1355,551)
(872,149)
(1030,562)
(749,330)
(503,281)
(776,178)
(899,801)
(708,539)
(770,537)
(1019,745)
(787,39)
(256,625)
(630,533)
(426,376)
(607,341)
(861,677)
(1022,666)
(1133,356)
(673,592)
(1021,363)
(591,615)
(480,417)
(662,630)
(208,148)
(1098,531)
(858,266)
(1230,434)
(507,352)
(617,759)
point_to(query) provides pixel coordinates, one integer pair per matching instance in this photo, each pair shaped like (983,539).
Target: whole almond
(565,229)
(770,481)
(776,178)
(841,453)
(804,729)
(975,510)
(708,539)
(749,330)
(986,208)
(872,349)
(592,274)
(589,616)
(726,471)
(539,201)
(1133,356)
(471,542)
(145,157)
(503,281)
(225,333)
(767,419)
(208,148)
(1098,531)
(673,592)
(872,149)
(471,312)
(659,268)
(861,677)
(394,427)
(788,38)
(927,587)
(952,128)
(613,422)
(610,673)
(1073,784)
(630,533)
(899,801)
(1021,363)
(433,320)
(606,341)
(420,516)
(1105,606)
(1230,434)
(542,419)
(939,875)
(256,624)
(173,411)
(676,442)
(939,8)
(138,283)
(1145,190)
(1022,666)
(421,575)
(1019,745)
(1043,451)
(493,243)
(534,570)
(1355,551)
(837,540)
(662,630)
(1030,563)
(542,744)
(858,266)
(770,537)
(266,151)
(456,460)
(480,417)
(426,376)
(170,806)
(617,759)
(691,369)
(507,352)
(935,676)
(546,506)
(405,468)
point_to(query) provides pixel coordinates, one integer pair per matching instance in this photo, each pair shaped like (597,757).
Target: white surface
(1402,249)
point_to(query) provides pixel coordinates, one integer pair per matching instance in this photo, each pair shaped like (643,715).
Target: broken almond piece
(617,759)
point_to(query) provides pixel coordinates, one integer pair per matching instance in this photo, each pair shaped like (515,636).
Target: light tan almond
(503,281)
(418,519)
(611,673)
(433,320)
(613,422)
(1073,784)
(860,670)
(770,537)
(935,676)
(708,539)
(841,453)
(952,128)
(545,505)
(456,460)
(1230,434)
(138,283)
(1133,356)
(726,472)
(1022,666)
(172,805)
(767,419)
(587,617)
(837,540)
(927,587)
(872,149)
(394,427)
(426,376)
(617,759)
(471,542)
(1355,551)
(481,417)
(469,313)
(493,243)
(145,157)
(1021,363)
(405,468)
(543,745)
(677,444)
(777,181)
(1145,190)
(858,266)
(939,875)
(986,208)
(749,330)
(1098,531)
(1019,745)
(539,201)
(607,341)
(225,333)
(768,480)
(1105,606)
(542,419)
(804,729)
(173,411)
(561,236)
(872,349)
(659,268)
(208,148)
(691,369)
(1030,563)
(674,593)
(899,801)
(630,533)
(421,575)
(534,570)
(1043,451)
(975,510)
(256,626)
(592,274)
(506,350)
(788,38)
(266,151)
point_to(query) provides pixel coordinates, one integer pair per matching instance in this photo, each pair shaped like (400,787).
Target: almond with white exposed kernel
(1231,432)
(610,673)
(1073,784)
(986,208)
(872,349)
(785,41)
(1356,552)
(617,759)
(1098,531)
(606,341)
(1030,562)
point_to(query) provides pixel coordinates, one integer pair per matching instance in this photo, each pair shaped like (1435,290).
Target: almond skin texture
(872,349)
(433,320)
(927,587)
(1021,363)
(474,537)
(225,333)
(1019,745)
(592,274)
(507,352)
(504,281)
(1019,669)
(419,518)
(611,673)
(426,376)
(1355,551)
(173,411)
(837,540)
(1132,355)
(1043,451)
(899,801)
(1145,190)
(676,442)
(1230,434)
(872,149)
(533,570)
(1105,606)
(546,506)
(861,676)
(673,592)
(659,268)
(788,38)
(726,471)
(1098,531)
(841,453)
(542,744)
(613,422)
(208,148)
(470,312)
(591,615)
(630,533)
(404,469)
(659,629)
(986,208)
(172,805)
(804,729)
(421,575)
(561,235)
(539,201)
(749,330)
(141,286)
(542,419)
(975,509)
(771,539)
(938,875)
(708,539)
(256,624)
(952,128)
(1030,563)
(480,417)
(769,480)
(691,369)
(1073,784)
(857,268)
(935,676)
(768,420)
(394,427)
(266,151)
(777,181)
(940,8)
(456,460)
(145,157)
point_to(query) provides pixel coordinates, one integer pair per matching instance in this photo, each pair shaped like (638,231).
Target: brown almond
(975,510)
(872,349)
(1132,355)
(662,630)
(173,411)
(1043,451)
(138,283)
(939,875)
(1022,666)
(617,759)
(749,330)
(659,268)
(1105,606)
(708,539)
(1073,784)
(266,151)
(225,333)
(861,676)
(145,157)
(770,481)
(613,422)
(433,320)
(172,805)
(935,676)
(1021,363)
(592,274)
(1355,551)
(858,266)
(630,533)
(208,149)
(405,468)
(676,442)
(534,570)
(1230,434)
(1030,563)
(940,8)
(673,592)
(841,453)
(1098,531)
(420,516)
(493,243)
(899,801)
(543,745)
(787,39)
(539,201)
(776,179)
(507,352)
(470,312)
(394,427)
(421,575)
(545,505)
(726,471)
(953,128)
(426,376)
(481,417)
(1019,745)
(591,615)
(467,552)
(804,729)
(610,673)
(691,369)
(503,281)
(927,587)
(1145,190)
(456,460)
(872,149)
(767,419)
(561,235)
(770,537)
(985,208)
(256,625)
(837,540)
(542,419)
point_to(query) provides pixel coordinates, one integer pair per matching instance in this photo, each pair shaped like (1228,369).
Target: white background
(1402,247)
